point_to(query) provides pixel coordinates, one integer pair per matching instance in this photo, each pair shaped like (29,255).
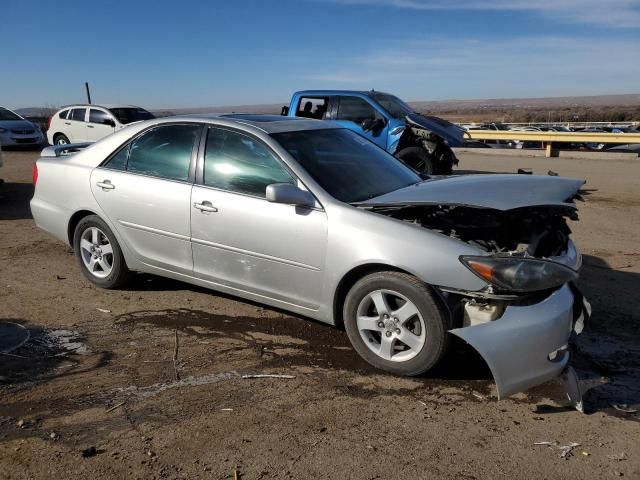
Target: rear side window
(356,110)
(315,107)
(163,152)
(238,163)
(98,116)
(77,114)
(63,114)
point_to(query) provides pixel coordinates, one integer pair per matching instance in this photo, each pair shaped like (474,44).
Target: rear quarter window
(63,114)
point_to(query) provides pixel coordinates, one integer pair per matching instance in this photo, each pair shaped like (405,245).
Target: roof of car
(100,105)
(267,123)
(339,92)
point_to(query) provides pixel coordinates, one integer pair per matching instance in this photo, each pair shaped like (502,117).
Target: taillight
(35,173)
(49,125)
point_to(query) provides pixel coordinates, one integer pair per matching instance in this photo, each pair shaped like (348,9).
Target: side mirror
(290,195)
(109,121)
(373,124)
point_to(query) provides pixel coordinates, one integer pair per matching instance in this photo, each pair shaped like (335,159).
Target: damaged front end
(521,322)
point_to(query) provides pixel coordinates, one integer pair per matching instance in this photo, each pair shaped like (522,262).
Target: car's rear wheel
(417,158)
(395,323)
(61,139)
(99,253)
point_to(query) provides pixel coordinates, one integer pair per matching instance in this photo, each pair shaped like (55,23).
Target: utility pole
(86,86)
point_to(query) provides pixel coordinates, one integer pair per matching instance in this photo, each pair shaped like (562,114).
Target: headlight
(519,274)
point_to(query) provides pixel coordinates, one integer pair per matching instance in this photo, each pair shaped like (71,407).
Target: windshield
(8,115)
(348,166)
(129,115)
(396,107)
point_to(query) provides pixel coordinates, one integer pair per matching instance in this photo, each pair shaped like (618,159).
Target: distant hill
(587,108)
(625,100)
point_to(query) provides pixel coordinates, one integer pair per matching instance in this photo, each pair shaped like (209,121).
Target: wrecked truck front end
(522,321)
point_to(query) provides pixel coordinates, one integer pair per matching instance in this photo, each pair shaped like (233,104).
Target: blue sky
(189,53)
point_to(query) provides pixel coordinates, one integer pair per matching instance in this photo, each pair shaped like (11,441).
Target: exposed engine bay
(531,231)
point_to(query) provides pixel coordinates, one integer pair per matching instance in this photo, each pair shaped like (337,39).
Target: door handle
(67,123)
(89,126)
(106,185)
(205,206)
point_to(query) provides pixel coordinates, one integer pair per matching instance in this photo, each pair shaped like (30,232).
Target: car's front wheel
(99,253)
(395,323)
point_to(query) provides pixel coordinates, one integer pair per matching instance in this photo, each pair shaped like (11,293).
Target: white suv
(90,123)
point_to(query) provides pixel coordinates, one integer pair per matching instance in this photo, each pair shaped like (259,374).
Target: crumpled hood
(453,134)
(498,192)
(17,125)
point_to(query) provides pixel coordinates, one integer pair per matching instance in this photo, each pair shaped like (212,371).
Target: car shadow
(14,201)
(607,354)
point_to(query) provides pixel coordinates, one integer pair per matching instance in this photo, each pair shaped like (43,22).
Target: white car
(90,123)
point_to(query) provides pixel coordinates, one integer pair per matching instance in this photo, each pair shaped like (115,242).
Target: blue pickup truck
(423,142)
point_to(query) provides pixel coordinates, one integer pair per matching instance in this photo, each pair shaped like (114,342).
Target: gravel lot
(102,373)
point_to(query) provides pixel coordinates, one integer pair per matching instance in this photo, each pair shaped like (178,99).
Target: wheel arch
(352,276)
(73,222)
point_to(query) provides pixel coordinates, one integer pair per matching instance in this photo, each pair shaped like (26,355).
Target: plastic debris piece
(268,375)
(623,407)
(618,456)
(103,310)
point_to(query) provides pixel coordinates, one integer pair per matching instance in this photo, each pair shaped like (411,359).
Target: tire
(104,266)
(60,139)
(373,336)
(417,158)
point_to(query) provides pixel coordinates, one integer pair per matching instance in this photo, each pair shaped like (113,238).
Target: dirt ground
(96,392)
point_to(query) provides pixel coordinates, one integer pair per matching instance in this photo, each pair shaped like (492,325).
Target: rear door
(354,113)
(145,191)
(75,125)
(100,124)
(241,240)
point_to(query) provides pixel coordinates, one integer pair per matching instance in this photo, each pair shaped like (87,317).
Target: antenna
(86,86)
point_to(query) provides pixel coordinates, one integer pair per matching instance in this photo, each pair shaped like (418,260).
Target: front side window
(163,152)
(98,116)
(77,114)
(355,109)
(241,164)
(348,166)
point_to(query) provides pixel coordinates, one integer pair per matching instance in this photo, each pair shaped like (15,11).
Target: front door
(244,242)
(97,129)
(145,191)
(355,112)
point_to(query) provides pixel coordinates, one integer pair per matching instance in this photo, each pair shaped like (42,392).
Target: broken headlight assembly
(518,274)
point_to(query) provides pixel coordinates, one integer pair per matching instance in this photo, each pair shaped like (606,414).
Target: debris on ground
(624,408)
(618,456)
(566,451)
(103,310)
(114,407)
(89,452)
(268,375)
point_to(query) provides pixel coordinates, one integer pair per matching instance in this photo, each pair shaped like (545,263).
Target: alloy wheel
(96,252)
(391,325)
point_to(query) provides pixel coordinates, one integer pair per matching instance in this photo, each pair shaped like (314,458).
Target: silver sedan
(312,218)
